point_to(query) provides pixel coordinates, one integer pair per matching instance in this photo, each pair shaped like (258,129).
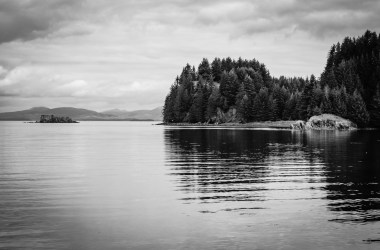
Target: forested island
(243,91)
(55,119)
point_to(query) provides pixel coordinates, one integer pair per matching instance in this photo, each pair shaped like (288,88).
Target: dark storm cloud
(30,19)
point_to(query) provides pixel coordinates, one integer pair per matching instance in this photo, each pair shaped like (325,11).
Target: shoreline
(283,125)
(263,125)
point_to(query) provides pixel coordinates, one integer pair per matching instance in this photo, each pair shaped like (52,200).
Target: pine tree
(204,70)
(249,87)
(216,69)
(261,106)
(197,110)
(169,106)
(229,86)
(356,109)
(212,103)
(242,104)
(338,102)
(257,81)
(273,109)
(326,105)
(227,64)
(316,111)
(374,109)
(281,96)
(241,73)
(329,79)
(305,101)
(316,100)
(290,106)
(295,113)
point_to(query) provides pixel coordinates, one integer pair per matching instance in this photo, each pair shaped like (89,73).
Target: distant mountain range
(34,114)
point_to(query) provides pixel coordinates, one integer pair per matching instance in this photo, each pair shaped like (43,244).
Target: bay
(134,185)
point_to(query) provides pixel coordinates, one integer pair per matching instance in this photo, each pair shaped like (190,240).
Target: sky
(101,54)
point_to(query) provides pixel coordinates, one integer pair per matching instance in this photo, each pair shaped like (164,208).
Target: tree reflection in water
(352,173)
(254,167)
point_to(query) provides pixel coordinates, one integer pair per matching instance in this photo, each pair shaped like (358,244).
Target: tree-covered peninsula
(240,90)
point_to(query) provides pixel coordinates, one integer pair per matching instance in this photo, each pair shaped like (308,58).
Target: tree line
(348,87)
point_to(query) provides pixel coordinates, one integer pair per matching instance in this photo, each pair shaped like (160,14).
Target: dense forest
(348,87)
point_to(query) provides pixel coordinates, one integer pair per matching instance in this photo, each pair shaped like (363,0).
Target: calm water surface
(131,185)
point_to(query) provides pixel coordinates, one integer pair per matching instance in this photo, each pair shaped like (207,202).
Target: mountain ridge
(80,114)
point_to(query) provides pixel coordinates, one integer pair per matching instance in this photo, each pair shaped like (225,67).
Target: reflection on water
(353,173)
(242,170)
(241,165)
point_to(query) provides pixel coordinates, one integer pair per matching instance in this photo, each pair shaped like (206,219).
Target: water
(131,185)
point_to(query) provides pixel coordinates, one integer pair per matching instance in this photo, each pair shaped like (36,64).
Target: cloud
(29,81)
(30,19)
(317,18)
(3,71)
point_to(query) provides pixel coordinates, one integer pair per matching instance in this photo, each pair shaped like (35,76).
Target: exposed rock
(55,119)
(329,121)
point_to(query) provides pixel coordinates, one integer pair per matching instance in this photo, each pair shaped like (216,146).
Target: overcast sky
(101,54)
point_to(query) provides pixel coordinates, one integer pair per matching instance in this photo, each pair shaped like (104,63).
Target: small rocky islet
(325,122)
(55,119)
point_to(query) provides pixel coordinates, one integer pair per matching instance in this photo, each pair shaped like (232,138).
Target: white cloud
(34,83)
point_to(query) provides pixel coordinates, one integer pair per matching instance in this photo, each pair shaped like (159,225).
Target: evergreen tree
(241,73)
(316,111)
(295,113)
(227,64)
(212,103)
(229,86)
(350,79)
(169,106)
(182,104)
(374,109)
(242,105)
(329,79)
(249,87)
(197,110)
(338,102)
(290,111)
(273,109)
(257,81)
(305,101)
(204,70)
(290,106)
(326,105)
(261,111)
(216,69)
(281,96)
(316,101)
(356,109)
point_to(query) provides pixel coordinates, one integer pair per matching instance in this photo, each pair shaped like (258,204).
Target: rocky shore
(320,122)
